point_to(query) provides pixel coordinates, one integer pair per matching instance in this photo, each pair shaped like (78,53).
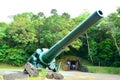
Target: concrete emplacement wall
(73,63)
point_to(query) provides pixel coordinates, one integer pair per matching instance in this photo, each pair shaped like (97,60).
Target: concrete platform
(13,75)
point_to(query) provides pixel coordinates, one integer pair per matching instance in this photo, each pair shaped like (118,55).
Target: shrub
(116,64)
(16,57)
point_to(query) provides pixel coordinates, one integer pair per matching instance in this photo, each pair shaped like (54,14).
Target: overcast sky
(73,7)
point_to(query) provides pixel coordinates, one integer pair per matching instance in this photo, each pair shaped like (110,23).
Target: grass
(42,75)
(105,70)
(7,66)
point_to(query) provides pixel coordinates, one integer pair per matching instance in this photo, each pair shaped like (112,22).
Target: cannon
(46,58)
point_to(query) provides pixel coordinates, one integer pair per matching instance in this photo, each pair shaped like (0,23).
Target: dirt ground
(76,75)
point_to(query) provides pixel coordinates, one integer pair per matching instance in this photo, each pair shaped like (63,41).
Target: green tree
(41,15)
(20,32)
(114,22)
(54,12)
(3,27)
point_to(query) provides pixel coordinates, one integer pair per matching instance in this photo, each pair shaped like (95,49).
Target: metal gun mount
(46,58)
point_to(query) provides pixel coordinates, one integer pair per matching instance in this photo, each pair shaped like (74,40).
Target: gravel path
(75,75)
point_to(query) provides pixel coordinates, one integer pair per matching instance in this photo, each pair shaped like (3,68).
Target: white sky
(73,7)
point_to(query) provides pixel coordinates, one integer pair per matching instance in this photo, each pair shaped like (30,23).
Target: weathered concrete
(54,75)
(57,76)
(49,75)
(16,76)
(68,63)
(31,70)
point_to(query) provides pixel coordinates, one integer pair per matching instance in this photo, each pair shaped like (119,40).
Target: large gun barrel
(44,59)
(56,49)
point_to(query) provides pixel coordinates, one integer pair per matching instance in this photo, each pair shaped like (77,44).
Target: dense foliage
(28,31)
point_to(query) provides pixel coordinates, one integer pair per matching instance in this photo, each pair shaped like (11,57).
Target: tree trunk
(115,42)
(88,46)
